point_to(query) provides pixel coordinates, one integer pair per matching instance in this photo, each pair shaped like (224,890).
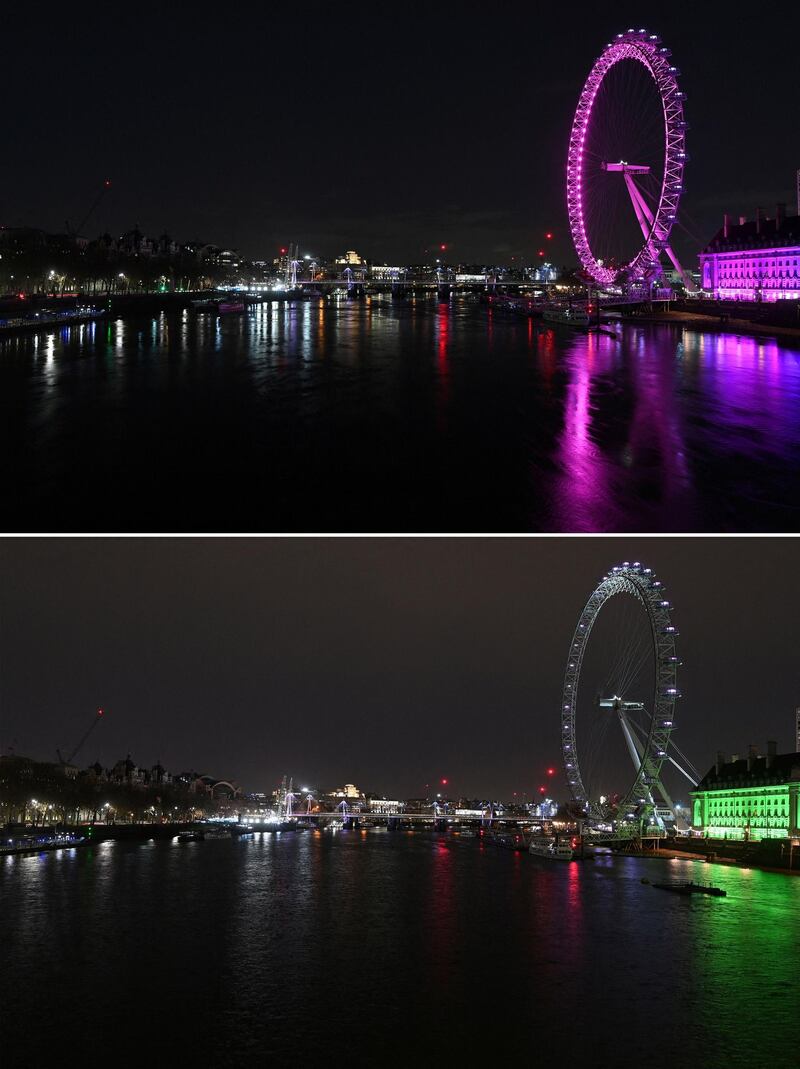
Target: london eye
(618,703)
(627,151)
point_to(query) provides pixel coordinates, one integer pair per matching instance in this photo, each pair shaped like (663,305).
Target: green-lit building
(750,798)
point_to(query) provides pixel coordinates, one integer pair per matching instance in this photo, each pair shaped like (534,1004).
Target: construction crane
(94,206)
(69,759)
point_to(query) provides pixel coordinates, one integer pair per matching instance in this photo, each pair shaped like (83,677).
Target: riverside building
(750,798)
(754,260)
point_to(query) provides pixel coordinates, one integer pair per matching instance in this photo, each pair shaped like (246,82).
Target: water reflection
(415,415)
(396,948)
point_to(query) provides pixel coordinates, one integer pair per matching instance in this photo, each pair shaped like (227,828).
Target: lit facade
(384,273)
(386,806)
(757,260)
(750,798)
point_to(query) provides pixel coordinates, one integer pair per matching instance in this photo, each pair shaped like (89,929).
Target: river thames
(379,948)
(409,416)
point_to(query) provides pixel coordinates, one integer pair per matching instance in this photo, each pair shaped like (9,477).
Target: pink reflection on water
(584,484)
(619,447)
(655,436)
(754,383)
(442,328)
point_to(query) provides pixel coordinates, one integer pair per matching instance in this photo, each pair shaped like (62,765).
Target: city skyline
(389,664)
(401,430)
(359,147)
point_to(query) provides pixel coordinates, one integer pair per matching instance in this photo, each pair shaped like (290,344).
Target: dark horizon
(389,663)
(386,132)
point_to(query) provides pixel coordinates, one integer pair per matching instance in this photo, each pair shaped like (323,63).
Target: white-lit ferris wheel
(618,702)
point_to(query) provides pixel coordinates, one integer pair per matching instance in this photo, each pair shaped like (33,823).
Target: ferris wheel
(627,152)
(633,684)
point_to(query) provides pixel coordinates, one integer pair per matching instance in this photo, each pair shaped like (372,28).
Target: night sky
(388,128)
(385,662)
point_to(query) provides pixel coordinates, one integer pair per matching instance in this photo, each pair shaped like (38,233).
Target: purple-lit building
(756,260)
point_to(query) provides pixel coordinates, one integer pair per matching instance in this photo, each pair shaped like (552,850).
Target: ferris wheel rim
(648,50)
(640,582)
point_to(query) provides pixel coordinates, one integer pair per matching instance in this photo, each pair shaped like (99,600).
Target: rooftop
(782,768)
(746,235)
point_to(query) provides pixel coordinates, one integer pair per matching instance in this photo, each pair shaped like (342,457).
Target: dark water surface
(374,948)
(406,416)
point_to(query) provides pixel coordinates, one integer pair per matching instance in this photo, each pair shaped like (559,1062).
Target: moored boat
(548,847)
(566,315)
(36,844)
(689,888)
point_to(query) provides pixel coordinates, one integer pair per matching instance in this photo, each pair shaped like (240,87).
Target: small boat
(506,840)
(689,888)
(191,837)
(205,304)
(32,844)
(566,316)
(232,308)
(550,848)
(239,831)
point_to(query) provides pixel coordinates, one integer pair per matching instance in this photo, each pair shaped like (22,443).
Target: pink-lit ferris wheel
(627,152)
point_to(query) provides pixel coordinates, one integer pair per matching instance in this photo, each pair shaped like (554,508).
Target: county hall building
(754,260)
(751,798)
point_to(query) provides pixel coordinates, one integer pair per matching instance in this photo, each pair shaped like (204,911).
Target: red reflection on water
(573,920)
(442,913)
(547,354)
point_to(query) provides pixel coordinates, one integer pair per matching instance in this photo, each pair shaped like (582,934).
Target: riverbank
(768,855)
(724,320)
